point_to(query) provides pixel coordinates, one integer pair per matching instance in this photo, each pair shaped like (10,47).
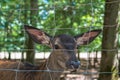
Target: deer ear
(37,35)
(88,37)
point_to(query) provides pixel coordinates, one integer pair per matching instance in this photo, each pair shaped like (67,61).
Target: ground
(87,71)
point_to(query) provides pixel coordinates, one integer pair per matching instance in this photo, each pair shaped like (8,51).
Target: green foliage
(55,17)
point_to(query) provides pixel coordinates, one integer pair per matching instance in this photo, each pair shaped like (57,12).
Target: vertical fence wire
(88,53)
(55,30)
(54,33)
(19,17)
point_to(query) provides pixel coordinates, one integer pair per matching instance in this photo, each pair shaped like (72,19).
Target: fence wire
(86,72)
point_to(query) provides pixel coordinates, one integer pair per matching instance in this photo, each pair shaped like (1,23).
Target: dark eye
(56,47)
(77,47)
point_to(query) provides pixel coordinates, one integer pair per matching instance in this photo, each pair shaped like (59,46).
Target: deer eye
(56,47)
(77,47)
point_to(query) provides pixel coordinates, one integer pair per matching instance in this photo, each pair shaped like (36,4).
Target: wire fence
(85,72)
(85,68)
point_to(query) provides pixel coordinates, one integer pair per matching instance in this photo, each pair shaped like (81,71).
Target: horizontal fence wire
(86,72)
(80,4)
(56,50)
(72,28)
(57,71)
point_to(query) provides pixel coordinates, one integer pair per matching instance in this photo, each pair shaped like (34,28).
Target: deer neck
(55,61)
(53,64)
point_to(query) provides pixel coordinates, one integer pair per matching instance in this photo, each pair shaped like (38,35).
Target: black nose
(75,64)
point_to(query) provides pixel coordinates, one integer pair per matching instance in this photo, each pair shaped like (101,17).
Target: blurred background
(54,17)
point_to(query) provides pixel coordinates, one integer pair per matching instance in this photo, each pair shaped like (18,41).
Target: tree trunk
(30,45)
(95,59)
(9,55)
(8,31)
(109,60)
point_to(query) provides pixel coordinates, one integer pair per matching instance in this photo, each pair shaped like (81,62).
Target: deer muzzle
(75,64)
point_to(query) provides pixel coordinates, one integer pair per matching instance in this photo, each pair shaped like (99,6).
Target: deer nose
(75,64)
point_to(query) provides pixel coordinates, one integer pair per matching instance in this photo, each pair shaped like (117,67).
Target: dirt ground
(87,71)
(83,75)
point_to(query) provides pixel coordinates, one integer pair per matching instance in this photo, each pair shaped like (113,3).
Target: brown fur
(62,56)
(29,75)
(10,74)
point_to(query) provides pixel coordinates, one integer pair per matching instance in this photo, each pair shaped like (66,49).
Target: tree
(71,14)
(109,60)
(30,45)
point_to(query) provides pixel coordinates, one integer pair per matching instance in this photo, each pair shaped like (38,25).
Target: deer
(62,57)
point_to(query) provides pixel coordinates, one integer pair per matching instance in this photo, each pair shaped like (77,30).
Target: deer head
(64,46)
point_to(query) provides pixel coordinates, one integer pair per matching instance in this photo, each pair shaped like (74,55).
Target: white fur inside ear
(87,37)
(81,40)
(57,41)
(44,39)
